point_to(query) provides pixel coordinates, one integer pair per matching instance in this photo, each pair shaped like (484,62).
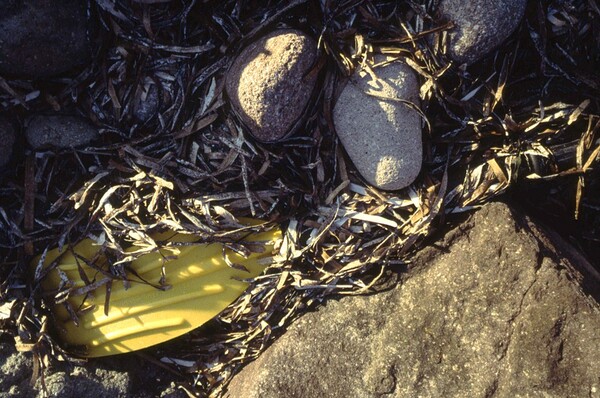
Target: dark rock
(493,309)
(59,131)
(81,382)
(382,136)
(122,376)
(269,85)
(152,96)
(41,38)
(146,104)
(15,373)
(7,140)
(480,25)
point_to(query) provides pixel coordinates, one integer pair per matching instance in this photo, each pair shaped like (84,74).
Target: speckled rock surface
(480,25)
(153,95)
(59,131)
(41,38)
(493,309)
(15,373)
(7,140)
(118,377)
(381,136)
(146,105)
(268,85)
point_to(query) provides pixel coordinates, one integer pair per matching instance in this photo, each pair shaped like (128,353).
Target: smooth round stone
(480,25)
(59,131)
(381,136)
(269,86)
(41,38)
(7,140)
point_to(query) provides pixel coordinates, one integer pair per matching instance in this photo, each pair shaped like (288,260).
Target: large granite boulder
(494,308)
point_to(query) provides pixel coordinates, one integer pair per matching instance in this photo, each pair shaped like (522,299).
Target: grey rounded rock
(480,25)
(146,105)
(41,38)
(59,131)
(7,140)
(269,85)
(153,96)
(380,132)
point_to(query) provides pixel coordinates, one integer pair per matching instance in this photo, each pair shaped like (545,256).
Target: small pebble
(268,85)
(480,25)
(382,137)
(41,38)
(7,140)
(145,105)
(59,131)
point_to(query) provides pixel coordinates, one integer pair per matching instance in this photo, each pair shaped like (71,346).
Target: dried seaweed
(172,156)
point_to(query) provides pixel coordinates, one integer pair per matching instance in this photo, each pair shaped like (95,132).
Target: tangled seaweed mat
(526,117)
